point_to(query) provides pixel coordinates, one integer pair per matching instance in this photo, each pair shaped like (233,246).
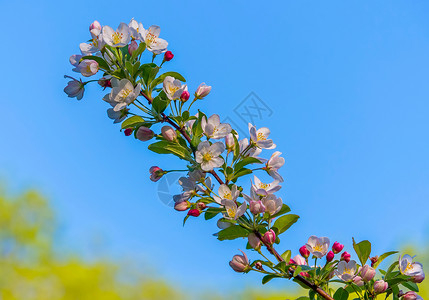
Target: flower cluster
(155,108)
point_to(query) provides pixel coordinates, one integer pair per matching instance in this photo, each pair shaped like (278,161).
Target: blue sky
(346,83)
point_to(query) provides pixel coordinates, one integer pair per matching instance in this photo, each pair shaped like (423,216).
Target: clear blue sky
(347,82)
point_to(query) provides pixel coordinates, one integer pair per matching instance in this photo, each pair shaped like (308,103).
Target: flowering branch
(210,147)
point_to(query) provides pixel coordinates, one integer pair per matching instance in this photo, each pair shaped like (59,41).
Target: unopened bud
(304,274)
(304,251)
(104,82)
(373,260)
(201,205)
(168,56)
(132,47)
(202,91)
(182,206)
(367,273)
(95,25)
(240,263)
(229,142)
(269,237)
(185,96)
(258,266)
(418,278)
(346,256)
(380,286)
(358,281)
(409,296)
(337,247)
(194,212)
(330,256)
(144,134)
(256,207)
(156,173)
(128,131)
(169,133)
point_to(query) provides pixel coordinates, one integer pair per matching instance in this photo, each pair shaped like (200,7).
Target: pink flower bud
(337,247)
(194,212)
(409,296)
(128,131)
(358,281)
(330,256)
(169,133)
(132,47)
(258,266)
(304,251)
(346,256)
(254,241)
(269,237)
(380,286)
(418,278)
(229,142)
(88,67)
(299,260)
(373,260)
(304,274)
(202,91)
(185,96)
(156,173)
(95,25)
(168,56)
(182,206)
(240,263)
(201,205)
(256,207)
(144,134)
(367,273)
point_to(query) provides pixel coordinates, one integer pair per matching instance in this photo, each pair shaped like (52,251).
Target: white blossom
(260,137)
(119,38)
(233,211)
(208,155)
(265,189)
(173,88)
(225,192)
(318,246)
(123,93)
(136,29)
(154,44)
(274,164)
(213,128)
(408,267)
(74,88)
(272,204)
(346,271)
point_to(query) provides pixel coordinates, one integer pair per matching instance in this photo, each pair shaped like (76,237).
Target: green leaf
(160,102)
(232,233)
(101,62)
(363,250)
(139,50)
(165,147)
(391,268)
(286,255)
(212,212)
(311,294)
(132,122)
(341,294)
(283,223)
(246,161)
(382,257)
(240,173)
(411,286)
(285,209)
(267,278)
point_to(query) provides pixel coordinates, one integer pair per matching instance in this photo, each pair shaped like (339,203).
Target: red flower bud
(304,251)
(337,247)
(304,274)
(128,131)
(330,256)
(156,173)
(373,260)
(104,82)
(185,96)
(269,237)
(346,256)
(168,56)
(194,212)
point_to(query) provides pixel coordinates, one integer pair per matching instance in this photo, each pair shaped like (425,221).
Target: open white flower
(272,204)
(265,189)
(346,271)
(225,193)
(173,88)
(74,88)
(154,44)
(260,137)
(213,128)
(136,29)
(233,211)
(408,267)
(273,164)
(123,93)
(119,38)
(208,155)
(117,116)
(318,246)
(97,43)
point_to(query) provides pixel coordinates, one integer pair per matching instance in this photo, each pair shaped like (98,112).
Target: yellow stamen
(230,212)
(150,38)
(207,157)
(125,93)
(318,247)
(227,196)
(117,37)
(260,137)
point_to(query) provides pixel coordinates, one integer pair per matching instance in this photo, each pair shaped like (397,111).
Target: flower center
(125,93)
(260,137)
(230,212)
(173,89)
(408,267)
(207,156)
(227,196)
(263,185)
(348,271)
(117,37)
(318,247)
(150,38)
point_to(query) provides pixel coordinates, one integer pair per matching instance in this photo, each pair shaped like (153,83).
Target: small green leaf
(139,50)
(246,161)
(341,294)
(382,257)
(212,212)
(267,278)
(283,223)
(363,250)
(165,147)
(232,233)
(132,122)
(411,286)
(240,173)
(285,209)
(286,255)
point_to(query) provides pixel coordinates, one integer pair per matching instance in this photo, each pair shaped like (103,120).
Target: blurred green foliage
(30,270)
